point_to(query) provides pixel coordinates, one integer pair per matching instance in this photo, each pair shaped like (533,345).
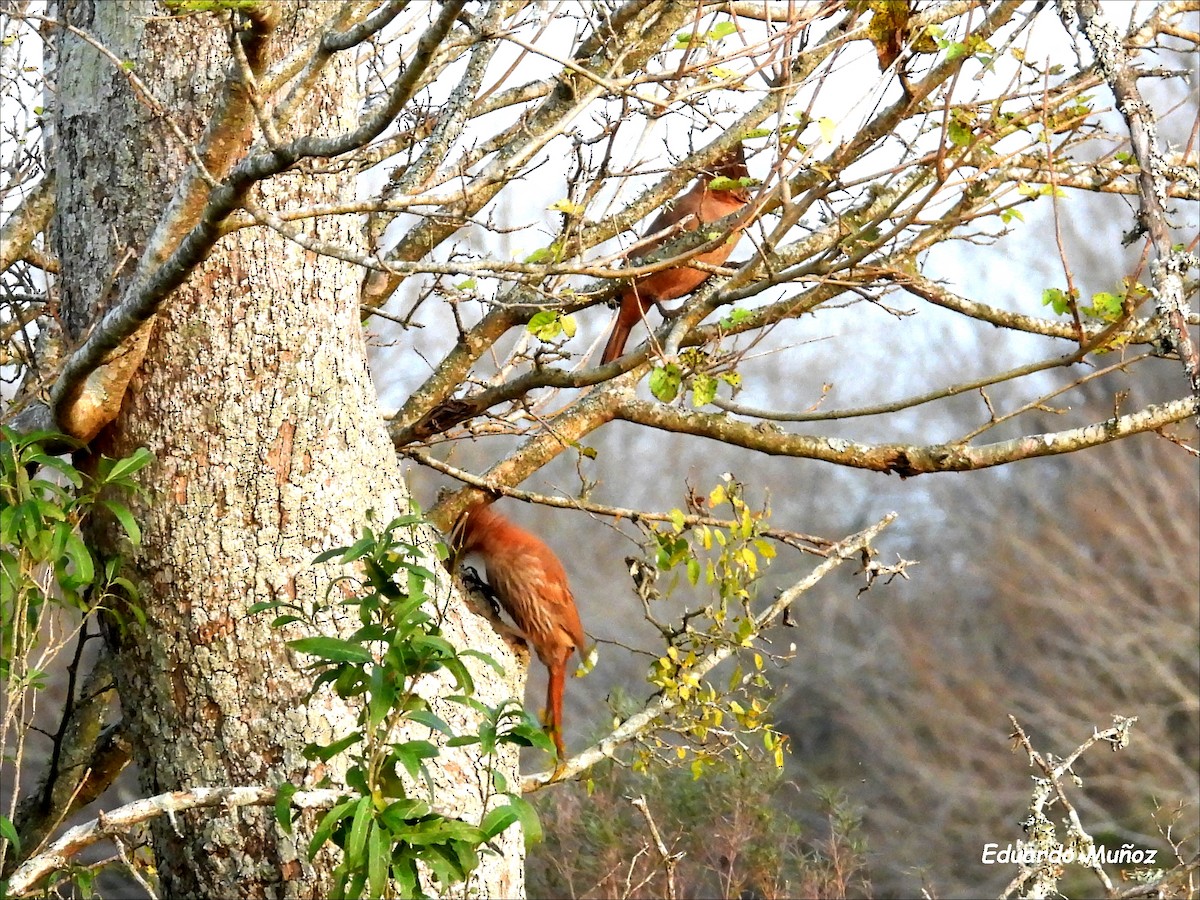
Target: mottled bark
(255,399)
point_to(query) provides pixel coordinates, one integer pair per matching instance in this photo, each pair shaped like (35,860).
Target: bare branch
(668,858)
(1171,265)
(118,822)
(905,460)
(26,222)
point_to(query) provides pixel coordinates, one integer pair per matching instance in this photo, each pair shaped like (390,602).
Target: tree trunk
(255,399)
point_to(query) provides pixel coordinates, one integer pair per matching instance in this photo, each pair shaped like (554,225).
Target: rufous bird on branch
(531,585)
(701,205)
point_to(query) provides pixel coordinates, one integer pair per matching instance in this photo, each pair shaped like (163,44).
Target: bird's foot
(669,314)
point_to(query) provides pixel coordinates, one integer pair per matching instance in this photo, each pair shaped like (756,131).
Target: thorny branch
(1045,851)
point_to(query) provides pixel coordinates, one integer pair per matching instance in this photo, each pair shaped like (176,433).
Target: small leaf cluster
(44,500)
(728,559)
(387,825)
(729,562)
(550,324)
(667,381)
(554,253)
(714,35)
(46,565)
(975,45)
(1106,306)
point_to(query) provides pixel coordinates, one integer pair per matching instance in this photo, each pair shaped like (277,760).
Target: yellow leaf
(566,206)
(828,129)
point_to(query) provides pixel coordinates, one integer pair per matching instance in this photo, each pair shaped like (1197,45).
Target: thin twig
(669,859)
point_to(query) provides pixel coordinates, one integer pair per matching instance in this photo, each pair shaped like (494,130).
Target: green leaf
(122,514)
(1057,299)
(665,382)
(1107,306)
(362,547)
(959,134)
(462,676)
(530,825)
(397,814)
(383,696)
(736,317)
(565,205)
(327,824)
(379,859)
(724,183)
(263,606)
(331,648)
(61,466)
(326,752)
(327,555)
(283,806)
(486,659)
(405,872)
(548,325)
(356,844)
(431,721)
(543,255)
(358,881)
(704,390)
(81,558)
(954,50)
(9,833)
(122,468)
(413,753)
(497,820)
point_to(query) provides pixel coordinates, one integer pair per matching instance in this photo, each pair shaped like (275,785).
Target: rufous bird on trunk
(701,205)
(531,585)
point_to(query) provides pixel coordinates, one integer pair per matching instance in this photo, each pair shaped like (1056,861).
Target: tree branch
(1167,271)
(791,538)
(906,460)
(26,222)
(645,719)
(560,433)
(158,274)
(116,823)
